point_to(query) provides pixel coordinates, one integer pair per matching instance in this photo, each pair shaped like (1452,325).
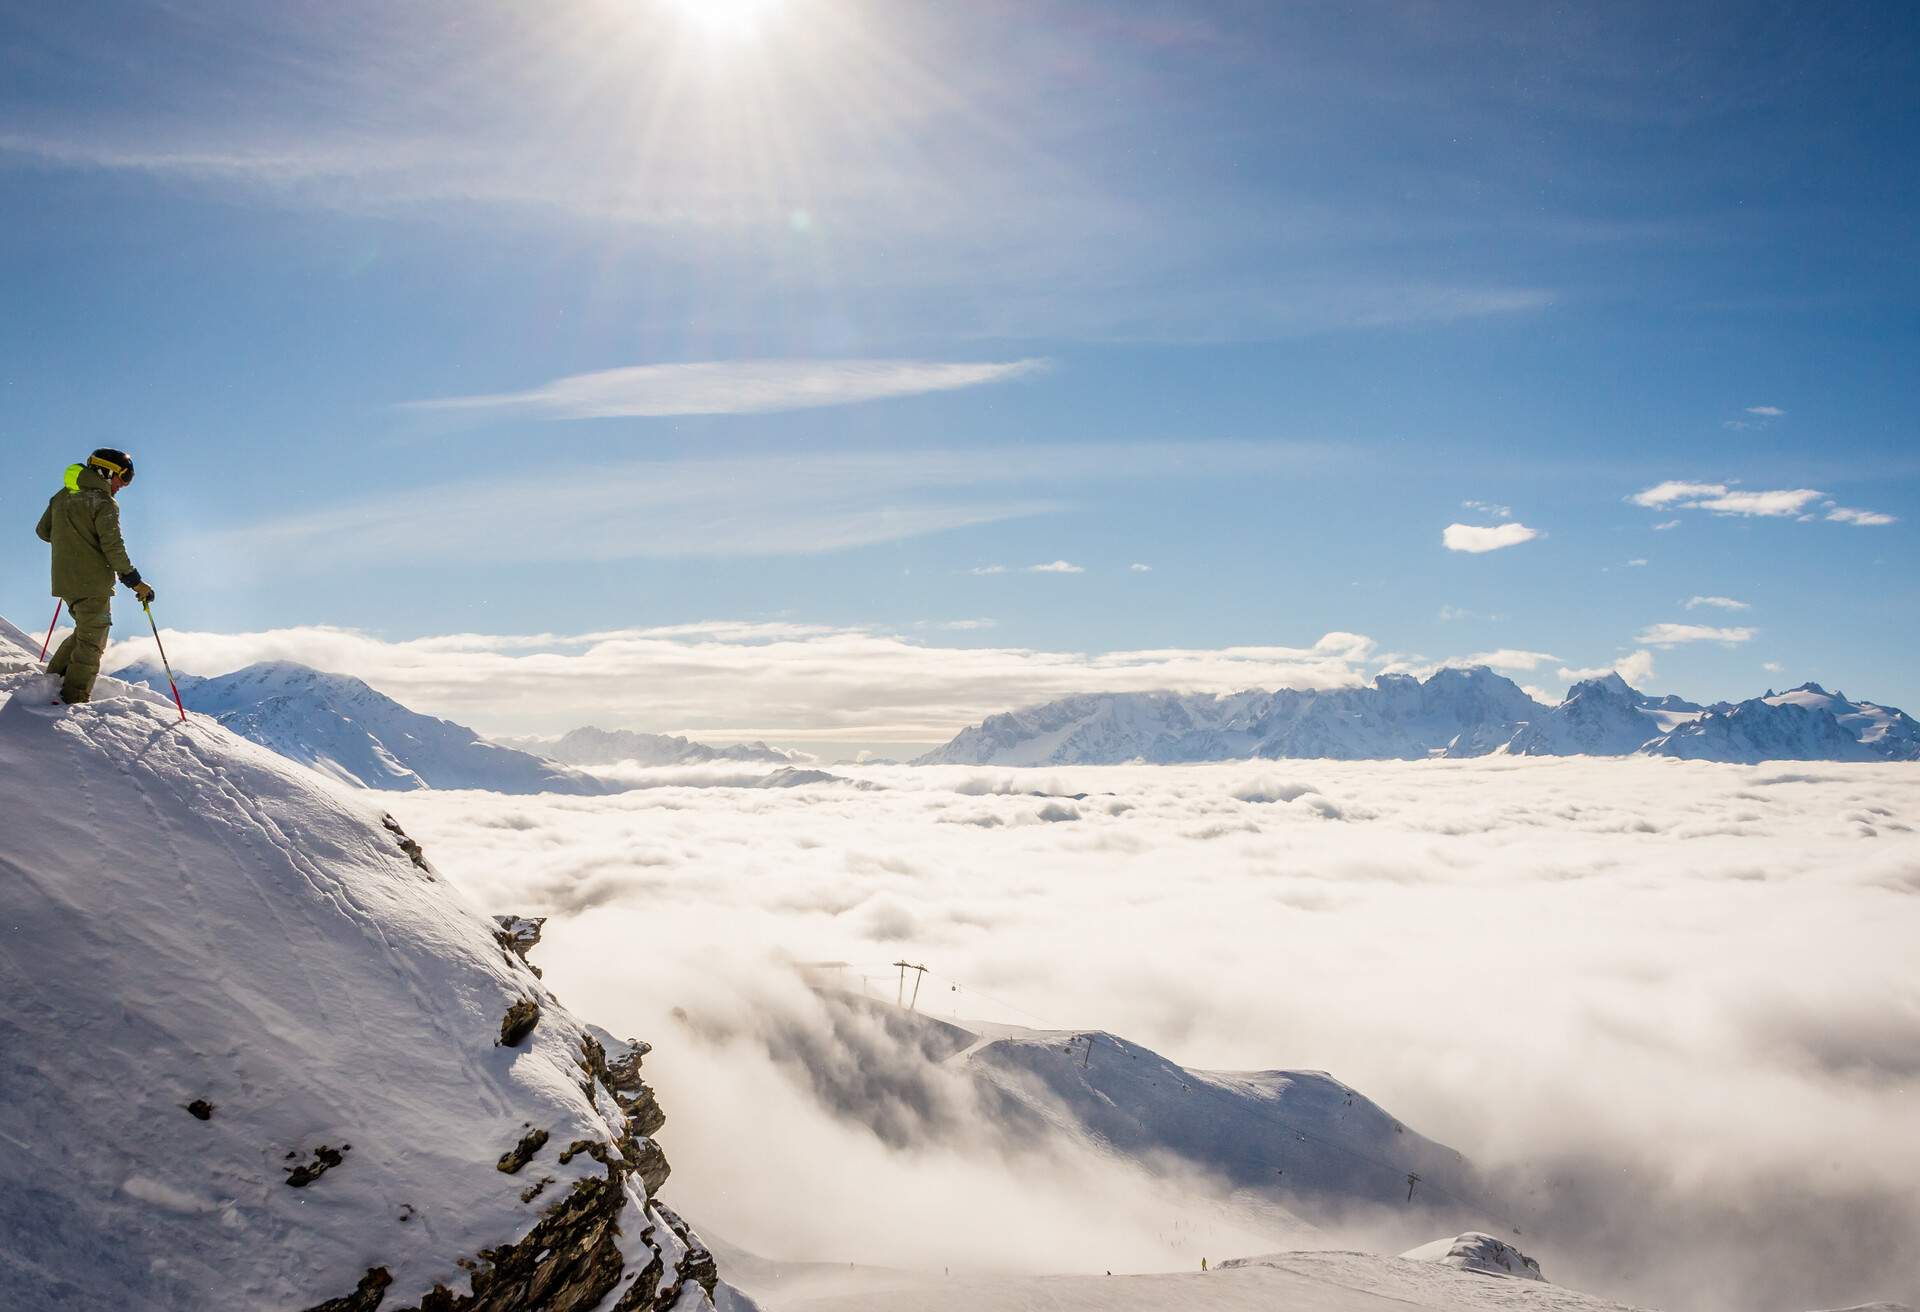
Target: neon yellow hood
(73,477)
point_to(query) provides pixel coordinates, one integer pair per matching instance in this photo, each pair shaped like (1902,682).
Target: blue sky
(1258,295)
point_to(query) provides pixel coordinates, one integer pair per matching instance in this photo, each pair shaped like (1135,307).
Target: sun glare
(734,20)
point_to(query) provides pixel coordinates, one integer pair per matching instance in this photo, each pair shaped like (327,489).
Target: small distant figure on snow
(82,524)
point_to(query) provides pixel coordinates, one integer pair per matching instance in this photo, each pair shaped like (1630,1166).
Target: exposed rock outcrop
(697,1263)
(414,852)
(324,1160)
(519,1021)
(365,1297)
(565,1263)
(522,1152)
(518,936)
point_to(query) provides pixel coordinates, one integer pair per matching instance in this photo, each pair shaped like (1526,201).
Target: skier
(82,522)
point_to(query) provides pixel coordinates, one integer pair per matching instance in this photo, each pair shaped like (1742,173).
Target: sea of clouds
(1672,1008)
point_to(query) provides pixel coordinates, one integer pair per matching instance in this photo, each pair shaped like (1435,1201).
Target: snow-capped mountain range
(593,746)
(1452,713)
(345,729)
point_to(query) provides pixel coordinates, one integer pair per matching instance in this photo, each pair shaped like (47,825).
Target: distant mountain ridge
(1455,712)
(594,746)
(343,728)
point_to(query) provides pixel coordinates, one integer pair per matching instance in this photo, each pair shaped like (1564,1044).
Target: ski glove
(144,593)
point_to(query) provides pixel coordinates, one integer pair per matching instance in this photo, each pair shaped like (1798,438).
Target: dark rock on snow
(519,1021)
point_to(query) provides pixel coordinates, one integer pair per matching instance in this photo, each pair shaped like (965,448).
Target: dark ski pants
(77,662)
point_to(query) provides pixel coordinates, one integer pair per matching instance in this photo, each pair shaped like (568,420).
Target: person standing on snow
(82,522)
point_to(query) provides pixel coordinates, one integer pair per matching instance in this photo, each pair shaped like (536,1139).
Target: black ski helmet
(110,461)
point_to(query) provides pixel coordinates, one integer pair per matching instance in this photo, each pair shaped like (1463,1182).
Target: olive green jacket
(83,524)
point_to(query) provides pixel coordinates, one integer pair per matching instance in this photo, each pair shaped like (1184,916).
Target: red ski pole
(50,628)
(164,662)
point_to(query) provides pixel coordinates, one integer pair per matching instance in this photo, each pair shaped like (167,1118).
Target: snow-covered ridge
(1453,713)
(1287,1151)
(593,746)
(1477,1251)
(347,730)
(257,1054)
(1300,1138)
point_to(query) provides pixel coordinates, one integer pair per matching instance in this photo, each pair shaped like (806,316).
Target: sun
(733,20)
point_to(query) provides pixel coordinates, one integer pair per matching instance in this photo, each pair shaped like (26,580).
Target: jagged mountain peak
(1609,683)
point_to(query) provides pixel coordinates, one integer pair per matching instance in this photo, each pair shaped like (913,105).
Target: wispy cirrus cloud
(730,387)
(1477,539)
(1673,635)
(737,506)
(1722,603)
(1057,567)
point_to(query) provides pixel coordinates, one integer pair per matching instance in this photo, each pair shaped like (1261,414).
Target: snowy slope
(1759,730)
(347,730)
(1287,1151)
(591,746)
(1301,1139)
(1478,1251)
(1888,731)
(1298,1282)
(195,925)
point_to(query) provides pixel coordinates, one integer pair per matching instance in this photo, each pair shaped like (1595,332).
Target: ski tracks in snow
(263,831)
